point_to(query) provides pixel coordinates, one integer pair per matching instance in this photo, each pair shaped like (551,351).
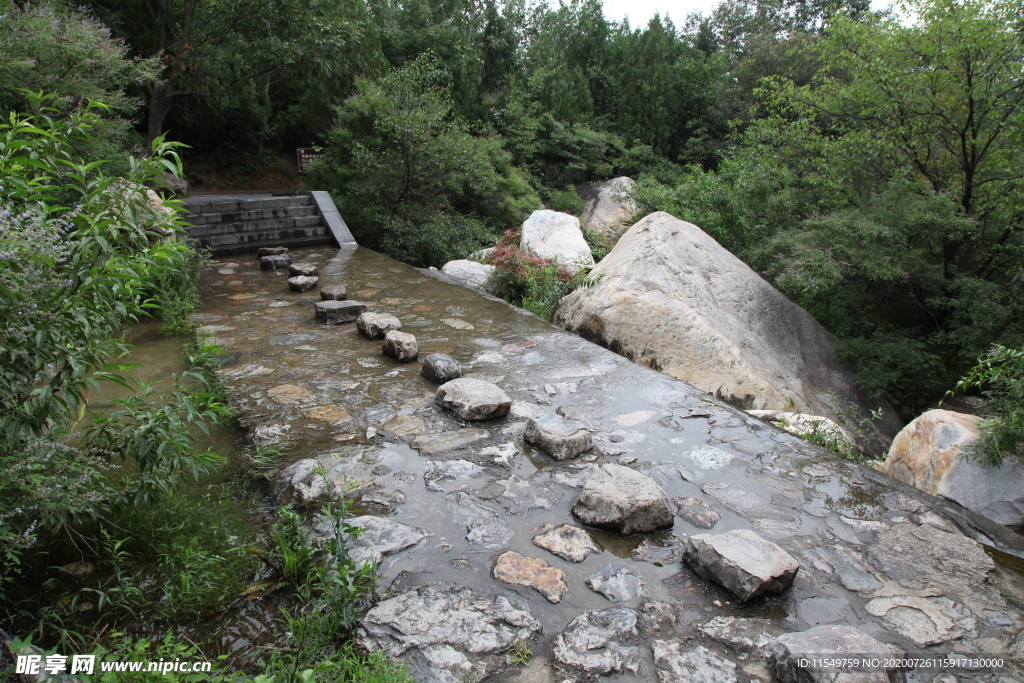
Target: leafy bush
(411,179)
(536,284)
(80,251)
(999,374)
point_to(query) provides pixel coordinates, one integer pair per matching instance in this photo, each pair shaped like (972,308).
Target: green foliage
(53,48)
(536,284)
(566,201)
(881,192)
(411,179)
(999,374)
(176,292)
(79,251)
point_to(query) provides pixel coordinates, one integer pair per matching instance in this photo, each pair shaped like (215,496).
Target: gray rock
(568,542)
(468,273)
(376,325)
(929,454)
(335,312)
(671,297)
(696,512)
(485,526)
(302,283)
(451,469)
(852,574)
(697,665)
(173,182)
(558,437)
(926,621)
(742,635)
(608,209)
(401,346)
(792,650)
(593,641)
(924,557)
(448,634)
(440,368)
(275,262)
(380,536)
(270,251)
(333,293)
(742,562)
(616,497)
(553,235)
(473,399)
(307,269)
(617,583)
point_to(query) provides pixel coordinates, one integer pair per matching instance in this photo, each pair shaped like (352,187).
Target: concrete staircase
(234,223)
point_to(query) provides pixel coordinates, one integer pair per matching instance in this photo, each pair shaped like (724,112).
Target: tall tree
(213,46)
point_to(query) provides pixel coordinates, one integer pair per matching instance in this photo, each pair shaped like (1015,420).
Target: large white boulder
(468,273)
(670,297)
(608,210)
(929,454)
(554,235)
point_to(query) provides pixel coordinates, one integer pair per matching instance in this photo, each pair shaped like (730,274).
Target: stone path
(461,502)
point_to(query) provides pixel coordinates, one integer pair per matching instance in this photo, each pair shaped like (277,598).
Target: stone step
(263,237)
(255,226)
(199,205)
(198,219)
(249,247)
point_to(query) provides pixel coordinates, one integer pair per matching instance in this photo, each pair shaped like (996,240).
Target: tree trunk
(159,104)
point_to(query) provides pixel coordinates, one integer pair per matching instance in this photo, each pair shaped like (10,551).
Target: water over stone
(859,535)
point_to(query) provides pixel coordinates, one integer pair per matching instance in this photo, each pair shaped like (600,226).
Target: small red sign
(305,155)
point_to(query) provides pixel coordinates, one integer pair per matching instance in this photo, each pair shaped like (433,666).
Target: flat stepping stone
(271,251)
(401,346)
(337,312)
(333,293)
(302,269)
(618,498)
(473,399)
(568,542)
(531,572)
(617,583)
(302,283)
(376,325)
(741,562)
(560,438)
(275,262)
(439,368)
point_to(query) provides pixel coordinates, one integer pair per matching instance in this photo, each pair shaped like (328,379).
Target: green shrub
(536,284)
(999,374)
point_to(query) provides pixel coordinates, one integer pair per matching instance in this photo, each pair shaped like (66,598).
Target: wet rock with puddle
(616,497)
(741,562)
(569,542)
(560,438)
(473,399)
(695,665)
(794,653)
(598,642)
(617,583)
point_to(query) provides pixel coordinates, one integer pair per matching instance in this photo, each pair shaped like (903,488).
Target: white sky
(640,11)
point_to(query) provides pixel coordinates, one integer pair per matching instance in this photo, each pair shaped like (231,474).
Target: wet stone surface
(365,418)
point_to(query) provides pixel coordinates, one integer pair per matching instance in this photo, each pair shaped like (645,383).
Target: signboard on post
(304,155)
